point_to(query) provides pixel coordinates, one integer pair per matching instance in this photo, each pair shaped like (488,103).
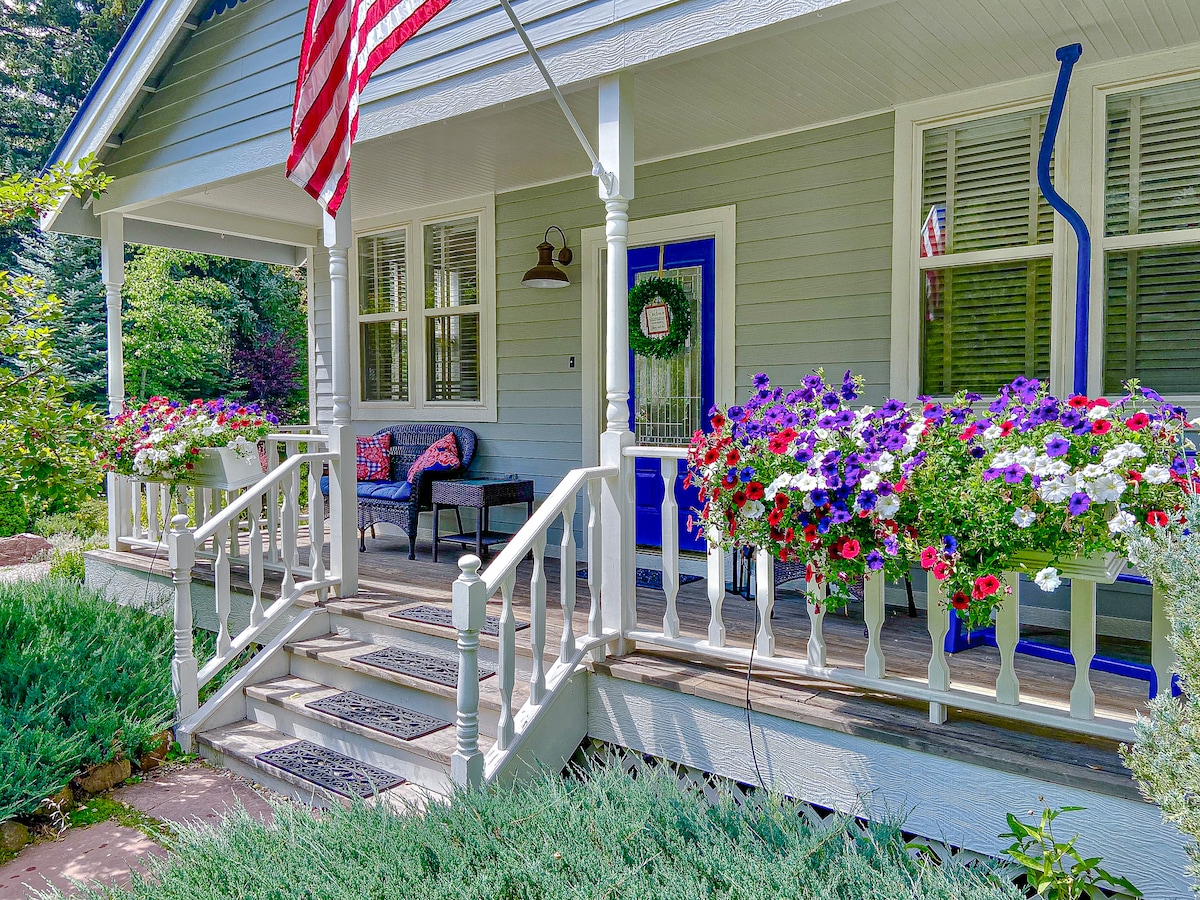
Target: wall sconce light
(545,274)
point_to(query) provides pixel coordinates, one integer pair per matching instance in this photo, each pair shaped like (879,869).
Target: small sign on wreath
(660,318)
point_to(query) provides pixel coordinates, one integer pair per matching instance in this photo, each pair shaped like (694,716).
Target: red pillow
(371,453)
(440,455)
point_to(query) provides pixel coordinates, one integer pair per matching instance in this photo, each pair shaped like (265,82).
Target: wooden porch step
(342,651)
(1055,756)
(240,747)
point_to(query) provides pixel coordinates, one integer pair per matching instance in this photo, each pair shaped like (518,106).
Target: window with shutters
(1151,238)
(986,242)
(424,312)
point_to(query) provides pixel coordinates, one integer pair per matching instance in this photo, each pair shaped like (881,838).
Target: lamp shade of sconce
(546,274)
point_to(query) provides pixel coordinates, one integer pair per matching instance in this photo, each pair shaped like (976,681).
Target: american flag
(345,41)
(933,243)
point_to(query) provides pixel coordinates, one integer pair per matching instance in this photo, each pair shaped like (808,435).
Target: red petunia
(711,456)
(810,533)
(942,570)
(1134,475)
(968,432)
(987,584)
(739,498)
(733,457)
(1137,421)
(729,482)
(755,490)
(850,548)
(775,516)
(1101,426)
(960,600)
(718,421)
(781,501)
(1007,427)
(1157,518)
(929,558)
(1078,402)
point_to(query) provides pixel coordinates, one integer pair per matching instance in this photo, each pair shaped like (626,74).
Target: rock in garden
(104,777)
(13,836)
(21,548)
(155,757)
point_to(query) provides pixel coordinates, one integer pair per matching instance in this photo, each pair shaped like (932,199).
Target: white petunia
(1002,460)
(1157,474)
(870,481)
(885,463)
(805,481)
(1025,457)
(1106,488)
(1023,518)
(992,432)
(1098,412)
(780,482)
(887,506)
(753,509)
(1121,522)
(1130,450)
(1113,458)
(1058,467)
(1048,579)
(1056,491)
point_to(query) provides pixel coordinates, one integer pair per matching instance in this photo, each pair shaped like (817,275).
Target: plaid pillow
(441,454)
(371,453)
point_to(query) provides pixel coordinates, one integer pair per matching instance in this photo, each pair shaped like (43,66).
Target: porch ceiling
(771,81)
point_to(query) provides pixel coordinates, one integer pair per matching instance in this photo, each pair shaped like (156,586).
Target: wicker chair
(396,501)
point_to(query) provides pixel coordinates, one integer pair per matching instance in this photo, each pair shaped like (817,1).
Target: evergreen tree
(69,268)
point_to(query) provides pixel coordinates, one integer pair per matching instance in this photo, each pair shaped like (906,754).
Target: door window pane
(667,392)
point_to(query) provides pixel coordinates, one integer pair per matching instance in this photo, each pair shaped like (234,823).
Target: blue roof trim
(100,79)
(216,7)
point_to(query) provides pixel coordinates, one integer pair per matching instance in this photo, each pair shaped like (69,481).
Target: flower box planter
(224,469)
(1102,569)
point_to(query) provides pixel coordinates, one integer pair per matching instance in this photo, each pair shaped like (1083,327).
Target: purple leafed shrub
(269,361)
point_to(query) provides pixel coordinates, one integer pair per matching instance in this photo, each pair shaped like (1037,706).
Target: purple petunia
(812,381)
(891,545)
(747,473)
(736,413)
(891,408)
(977,451)
(867,500)
(819,497)
(849,391)
(950,543)
(991,474)
(843,418)
(1014,474)
(874,561)
(1057,445)
(1078,504)
(761,380)
(830,400)
(840,516)
(802,455)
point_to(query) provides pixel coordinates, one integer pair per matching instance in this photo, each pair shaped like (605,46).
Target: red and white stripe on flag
(345,41)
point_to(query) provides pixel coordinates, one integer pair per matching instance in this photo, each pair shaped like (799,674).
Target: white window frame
(1078,175)
(418,408)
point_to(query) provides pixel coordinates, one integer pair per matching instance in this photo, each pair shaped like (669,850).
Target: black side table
(480,494)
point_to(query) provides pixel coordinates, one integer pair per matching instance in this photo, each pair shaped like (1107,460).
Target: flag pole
(606,177)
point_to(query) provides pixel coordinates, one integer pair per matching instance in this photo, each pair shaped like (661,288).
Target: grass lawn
(608,836)
(82,681)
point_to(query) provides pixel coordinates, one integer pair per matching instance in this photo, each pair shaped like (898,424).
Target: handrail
(640,452)
(542,518)
(233,511)
(297,437)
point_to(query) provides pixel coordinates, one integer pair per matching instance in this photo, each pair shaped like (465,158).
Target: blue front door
(670,398)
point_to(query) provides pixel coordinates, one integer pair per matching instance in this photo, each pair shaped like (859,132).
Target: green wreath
(679,314)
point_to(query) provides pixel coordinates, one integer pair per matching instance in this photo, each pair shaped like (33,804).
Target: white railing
(274,523)
(935,686)
(471,593)
(145,509)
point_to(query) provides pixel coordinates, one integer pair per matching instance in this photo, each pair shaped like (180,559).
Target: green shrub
(82,680)
(14,517)
(68,565)
(90,519)
(610,836)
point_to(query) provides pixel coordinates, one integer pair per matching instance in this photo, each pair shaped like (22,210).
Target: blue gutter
(1068,56)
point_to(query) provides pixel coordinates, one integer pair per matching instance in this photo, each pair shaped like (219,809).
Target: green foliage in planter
(610,836)
(1166,758)
(81,680)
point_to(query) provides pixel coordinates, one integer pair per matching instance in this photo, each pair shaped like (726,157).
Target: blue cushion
(398,491)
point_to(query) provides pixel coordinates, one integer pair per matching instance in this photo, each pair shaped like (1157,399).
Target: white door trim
(719,223)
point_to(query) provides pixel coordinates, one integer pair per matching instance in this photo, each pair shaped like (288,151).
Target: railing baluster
(222,589)
(316,530)
(507,667)
(716,592)
(1083,647)
(255,550)
(537,620)
(273,506)
(764,576)
(566,556)
(152,508)
(1162,654)
(1008,632)
(874,664)
(181,549)
(287,520)
(670,546)
(235,539)
(293,487)
(470,609)
(937,623)
(816,619)
(594,556)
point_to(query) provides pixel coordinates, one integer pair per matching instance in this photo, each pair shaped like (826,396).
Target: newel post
(618,601)
(112,270)
(181,547)
(470,609)
(343,502)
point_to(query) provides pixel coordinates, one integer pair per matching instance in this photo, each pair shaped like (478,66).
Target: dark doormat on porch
(330,769)
(439,615)
(648,578)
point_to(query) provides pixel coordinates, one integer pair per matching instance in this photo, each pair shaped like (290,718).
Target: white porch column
(616,499)
(112,271)
(343,491)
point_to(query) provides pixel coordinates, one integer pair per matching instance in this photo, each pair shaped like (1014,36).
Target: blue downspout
(1068,56)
